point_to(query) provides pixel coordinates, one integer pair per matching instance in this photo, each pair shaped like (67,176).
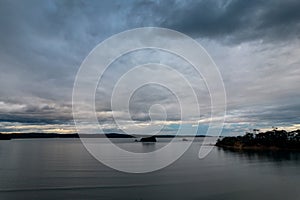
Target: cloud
(254,43)
(43,112)
(229,21)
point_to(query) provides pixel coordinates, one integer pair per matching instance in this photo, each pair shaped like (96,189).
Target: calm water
(63,169)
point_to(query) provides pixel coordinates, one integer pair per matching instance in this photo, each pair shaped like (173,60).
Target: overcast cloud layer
(254,43)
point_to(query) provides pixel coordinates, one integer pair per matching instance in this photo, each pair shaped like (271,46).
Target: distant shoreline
(10,136)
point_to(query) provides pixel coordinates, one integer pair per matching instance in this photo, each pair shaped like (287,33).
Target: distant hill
(56,135)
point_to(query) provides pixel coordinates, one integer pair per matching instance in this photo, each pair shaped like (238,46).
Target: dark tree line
(275,138)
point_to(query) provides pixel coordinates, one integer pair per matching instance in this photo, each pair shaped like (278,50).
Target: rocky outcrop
(148,139)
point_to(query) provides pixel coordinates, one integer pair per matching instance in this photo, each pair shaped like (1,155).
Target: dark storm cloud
(232,21)
(39,114)
(277,114)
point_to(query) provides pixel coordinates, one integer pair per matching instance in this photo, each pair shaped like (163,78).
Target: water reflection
(62,168)
(264,155)
(149,147)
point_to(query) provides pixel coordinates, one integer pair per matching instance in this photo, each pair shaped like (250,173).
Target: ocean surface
(63,169)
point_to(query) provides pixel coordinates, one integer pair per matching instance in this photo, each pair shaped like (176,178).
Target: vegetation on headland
(269,140)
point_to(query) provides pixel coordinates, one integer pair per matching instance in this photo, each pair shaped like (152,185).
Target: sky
(255,44)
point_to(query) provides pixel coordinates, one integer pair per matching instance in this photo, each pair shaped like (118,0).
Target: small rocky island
(269,140)
(148,139)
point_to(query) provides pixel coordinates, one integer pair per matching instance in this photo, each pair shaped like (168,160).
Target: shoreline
(257,148)
(12,136)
